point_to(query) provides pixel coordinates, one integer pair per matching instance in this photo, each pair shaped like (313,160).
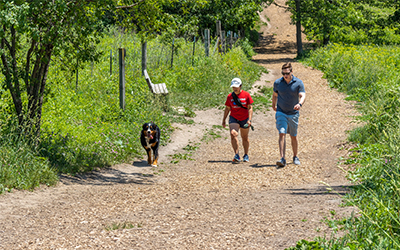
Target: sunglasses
(286,73)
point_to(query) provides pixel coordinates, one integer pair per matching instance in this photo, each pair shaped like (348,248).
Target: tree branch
(281,6)
(130,6)
(28,62)
(4,60)
(4,40)
(13,54)
(9,74)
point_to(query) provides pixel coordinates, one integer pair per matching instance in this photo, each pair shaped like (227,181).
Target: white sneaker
(296,160)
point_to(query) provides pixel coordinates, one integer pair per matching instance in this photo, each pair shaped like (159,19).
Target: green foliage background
(348,21)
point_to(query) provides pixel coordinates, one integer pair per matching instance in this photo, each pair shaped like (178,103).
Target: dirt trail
(208,202)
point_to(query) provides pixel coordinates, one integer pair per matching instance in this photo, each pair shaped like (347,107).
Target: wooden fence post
(194,48)
(223,41)
(77,69)
(144,56)
(219,35)
(216,45)
(110,61)
(172,53)
(91,68)
(230,39)
(159,58)
(207,41)
(122,53)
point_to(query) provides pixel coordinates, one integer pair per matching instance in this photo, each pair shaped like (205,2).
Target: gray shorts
(287,124)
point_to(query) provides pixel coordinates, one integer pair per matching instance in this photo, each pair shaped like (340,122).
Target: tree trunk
(34,78)
(36,88)
(298,29)
(11,73)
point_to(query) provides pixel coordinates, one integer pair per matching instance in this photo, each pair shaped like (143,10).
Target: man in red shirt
(239,118)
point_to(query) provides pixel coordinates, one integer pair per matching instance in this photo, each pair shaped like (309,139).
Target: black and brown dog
(150,139)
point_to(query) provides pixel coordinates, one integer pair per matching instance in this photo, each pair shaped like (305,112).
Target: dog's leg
(148,150)
(155,161)
(155,151)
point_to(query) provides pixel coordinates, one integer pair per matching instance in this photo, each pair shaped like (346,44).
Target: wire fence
(164,55)
(160,55)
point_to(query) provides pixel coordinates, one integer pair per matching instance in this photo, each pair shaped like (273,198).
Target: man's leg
(244,132)
(282,149)
(282,144)
(293,124)
(282,126)
(294,145)
(234,128)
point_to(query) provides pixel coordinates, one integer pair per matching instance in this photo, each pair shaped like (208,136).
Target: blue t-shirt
(288,94)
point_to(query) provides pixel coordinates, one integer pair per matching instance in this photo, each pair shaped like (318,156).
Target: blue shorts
(241,123)
(287,124)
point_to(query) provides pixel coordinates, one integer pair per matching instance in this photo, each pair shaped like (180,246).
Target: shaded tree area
(234,15)
(31,33)
(348,21)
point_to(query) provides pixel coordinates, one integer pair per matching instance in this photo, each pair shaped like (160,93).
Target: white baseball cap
(236,82)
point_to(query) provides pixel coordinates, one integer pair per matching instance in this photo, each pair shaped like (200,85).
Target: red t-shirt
(237,112)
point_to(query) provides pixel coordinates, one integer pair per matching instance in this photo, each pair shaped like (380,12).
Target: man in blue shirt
(288,98)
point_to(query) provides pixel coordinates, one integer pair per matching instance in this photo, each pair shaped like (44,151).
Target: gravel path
(208,202)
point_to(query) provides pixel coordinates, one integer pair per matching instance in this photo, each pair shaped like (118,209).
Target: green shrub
(306,245)
(247,47)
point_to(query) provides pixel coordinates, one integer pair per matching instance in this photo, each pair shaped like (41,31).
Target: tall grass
(83,127)
(21,166)
(369,75)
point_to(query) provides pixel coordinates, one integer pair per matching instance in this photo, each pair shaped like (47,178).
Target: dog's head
(149,130)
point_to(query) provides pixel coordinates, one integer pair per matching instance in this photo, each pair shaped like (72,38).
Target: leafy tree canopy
(145,17)
(349,21)
(188,17)
(31,33)
(195,16)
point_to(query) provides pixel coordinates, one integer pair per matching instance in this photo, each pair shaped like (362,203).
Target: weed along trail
(199,199)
